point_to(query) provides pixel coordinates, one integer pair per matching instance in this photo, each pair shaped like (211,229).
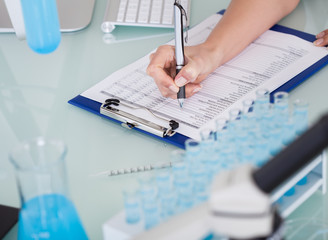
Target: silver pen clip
(184,25)
(108,108)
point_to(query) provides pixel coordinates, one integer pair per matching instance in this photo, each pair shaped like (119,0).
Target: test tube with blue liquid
(262,102)
(149,200)
(249,119)
(300,116)
(166,193)
(209,157)
(182,181)
(132,205)
(281,108)
(41,25)
(197,170)
(281,118)
(222,135)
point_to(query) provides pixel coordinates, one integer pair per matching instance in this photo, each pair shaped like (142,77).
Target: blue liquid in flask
(41,25)
(50,216)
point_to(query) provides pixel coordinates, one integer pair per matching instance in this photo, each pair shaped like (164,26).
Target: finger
(322,34)
(191,73)
(192,88)
(165,84)
(160,68)
(163,57)
(322,39)
(188,74)
(325,40)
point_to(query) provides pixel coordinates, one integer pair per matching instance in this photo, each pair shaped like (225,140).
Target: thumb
(189,73)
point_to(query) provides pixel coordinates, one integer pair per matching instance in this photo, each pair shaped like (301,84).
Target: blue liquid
(303,181)
(132,212)
(41,25)
(50,216)
(290,192)
(152,215)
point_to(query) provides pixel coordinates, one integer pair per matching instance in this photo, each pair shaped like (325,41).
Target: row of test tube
(253,135)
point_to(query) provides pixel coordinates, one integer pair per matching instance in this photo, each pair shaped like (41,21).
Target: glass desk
(34,91)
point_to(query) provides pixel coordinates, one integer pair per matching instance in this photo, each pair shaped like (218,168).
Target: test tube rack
(314,172)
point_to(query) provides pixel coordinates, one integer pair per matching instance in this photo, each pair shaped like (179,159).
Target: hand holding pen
(175,68)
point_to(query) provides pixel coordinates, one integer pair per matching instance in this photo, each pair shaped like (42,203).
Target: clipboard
(178,139)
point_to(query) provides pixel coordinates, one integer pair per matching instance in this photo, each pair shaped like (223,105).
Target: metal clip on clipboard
(130,121)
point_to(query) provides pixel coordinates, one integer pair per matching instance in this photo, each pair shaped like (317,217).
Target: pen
(179,46)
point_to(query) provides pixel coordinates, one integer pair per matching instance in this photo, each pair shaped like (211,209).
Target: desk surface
(34,91)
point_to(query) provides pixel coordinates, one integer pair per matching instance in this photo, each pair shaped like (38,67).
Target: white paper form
(269,62)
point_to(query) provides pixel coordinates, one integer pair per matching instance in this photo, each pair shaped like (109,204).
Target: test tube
(249,117)
(262,151)
(248,107)
(194,155)
(193,150)
(220,126)
(234,121)
(148,189)
(209,157)
(289,133)
(151,213)
(246,154)
(185,197)
(131,206)
(164,182)
(300,115)
(182,180)
(276,144)
(228,157)
(262,102)
(221,130)
(262,96)
(267,121)
(150,205)
(281,108)
(180,169)
(207,138)
(168,204)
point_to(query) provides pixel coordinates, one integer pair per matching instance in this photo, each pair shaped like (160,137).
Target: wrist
(214,53)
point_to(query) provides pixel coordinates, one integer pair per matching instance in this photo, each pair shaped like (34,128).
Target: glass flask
(46,211)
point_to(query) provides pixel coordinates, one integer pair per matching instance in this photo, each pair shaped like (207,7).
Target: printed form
(269,62)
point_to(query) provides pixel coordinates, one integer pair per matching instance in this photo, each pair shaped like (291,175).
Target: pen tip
(180,100)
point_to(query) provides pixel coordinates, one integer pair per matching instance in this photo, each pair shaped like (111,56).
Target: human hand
(200,61)
(322,39)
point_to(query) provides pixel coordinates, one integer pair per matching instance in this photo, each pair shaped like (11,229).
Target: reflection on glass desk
(34,91)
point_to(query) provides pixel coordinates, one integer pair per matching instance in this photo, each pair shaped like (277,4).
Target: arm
(243,22)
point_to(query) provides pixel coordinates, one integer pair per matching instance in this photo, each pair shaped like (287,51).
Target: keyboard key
(131,13)
(168,12)
(144,9)
(121,11)
(156,11)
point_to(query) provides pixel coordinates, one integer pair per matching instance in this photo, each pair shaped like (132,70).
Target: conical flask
(46,212)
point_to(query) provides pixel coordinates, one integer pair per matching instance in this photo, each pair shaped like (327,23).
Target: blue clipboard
(179,139)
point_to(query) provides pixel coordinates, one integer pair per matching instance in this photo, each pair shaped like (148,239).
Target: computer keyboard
(146,13)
